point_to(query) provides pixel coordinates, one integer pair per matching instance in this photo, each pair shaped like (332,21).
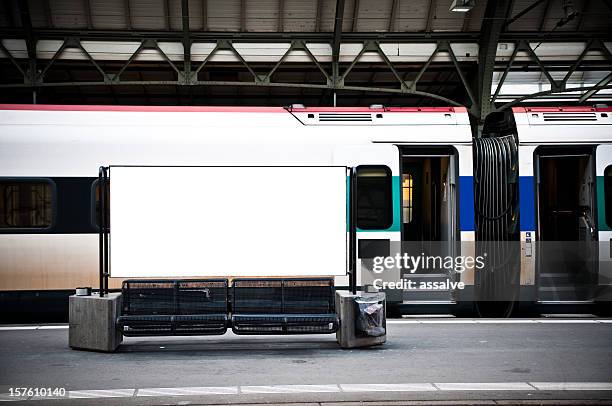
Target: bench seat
(284,323)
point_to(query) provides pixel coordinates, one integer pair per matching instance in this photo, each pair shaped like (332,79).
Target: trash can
(362,319)
(370,320)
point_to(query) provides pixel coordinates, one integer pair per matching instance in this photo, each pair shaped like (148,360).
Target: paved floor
(423,360)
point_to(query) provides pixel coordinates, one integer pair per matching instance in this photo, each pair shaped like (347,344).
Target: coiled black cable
(496,221)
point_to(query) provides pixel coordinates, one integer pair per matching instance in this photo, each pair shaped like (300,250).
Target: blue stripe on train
(466,203)
(527,202)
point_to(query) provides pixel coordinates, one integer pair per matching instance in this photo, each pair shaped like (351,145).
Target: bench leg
(93,322)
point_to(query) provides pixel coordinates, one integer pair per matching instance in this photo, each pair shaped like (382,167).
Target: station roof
(408,32)
(302,16)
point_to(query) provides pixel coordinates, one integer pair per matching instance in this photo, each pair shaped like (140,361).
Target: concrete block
(346,335)
(93,322)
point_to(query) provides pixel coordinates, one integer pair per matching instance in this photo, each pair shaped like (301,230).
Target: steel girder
(478,97)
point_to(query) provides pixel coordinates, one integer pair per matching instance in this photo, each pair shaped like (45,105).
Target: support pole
(352,231)
(494,21)
(103,231)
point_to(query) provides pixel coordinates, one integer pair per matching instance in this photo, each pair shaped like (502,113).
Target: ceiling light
(462,6)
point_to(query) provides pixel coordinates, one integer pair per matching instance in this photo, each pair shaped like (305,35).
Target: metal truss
(477,98)
(556,85)
(188,74)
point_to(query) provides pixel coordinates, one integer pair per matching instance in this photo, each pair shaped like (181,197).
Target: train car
(414,186)
(565,165)
(412,165)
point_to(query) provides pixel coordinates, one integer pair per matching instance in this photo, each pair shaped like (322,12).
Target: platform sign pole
(103,228)
(352,231)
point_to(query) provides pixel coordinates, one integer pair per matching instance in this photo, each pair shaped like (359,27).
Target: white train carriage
(413,168)
(414,186)
(565,168)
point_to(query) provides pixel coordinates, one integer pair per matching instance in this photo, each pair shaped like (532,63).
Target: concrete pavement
(423,360)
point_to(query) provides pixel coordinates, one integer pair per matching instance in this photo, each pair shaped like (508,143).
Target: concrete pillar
(347,335)
(93,322)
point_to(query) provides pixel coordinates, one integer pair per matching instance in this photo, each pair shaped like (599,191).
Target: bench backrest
(179,297)
(284,296)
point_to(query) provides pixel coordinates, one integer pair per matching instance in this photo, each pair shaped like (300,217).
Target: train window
(374,197)
(26,204)
(407,189)
(96,203)
(608,195)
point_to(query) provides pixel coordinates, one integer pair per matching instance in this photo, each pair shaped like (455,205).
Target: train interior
(428,194)
(566,224)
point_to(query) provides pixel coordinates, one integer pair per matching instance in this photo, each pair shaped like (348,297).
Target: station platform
(425,361)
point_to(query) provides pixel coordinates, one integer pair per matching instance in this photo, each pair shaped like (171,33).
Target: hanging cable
(496,217)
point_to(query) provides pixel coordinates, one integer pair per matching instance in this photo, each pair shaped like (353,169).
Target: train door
(604,217)
(567,231)
(428,225)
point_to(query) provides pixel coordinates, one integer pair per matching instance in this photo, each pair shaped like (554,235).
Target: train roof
(229,109)
(563,125)
(427,124)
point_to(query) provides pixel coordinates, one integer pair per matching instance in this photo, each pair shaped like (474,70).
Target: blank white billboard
(227,221)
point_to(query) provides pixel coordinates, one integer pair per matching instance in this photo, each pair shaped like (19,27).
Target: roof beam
(48,15)
(544,14)
(355,16)
(393,15)
(347,37)
(337,39)
(466,21)
(167,14)
(493,23)
(585,9)
(242,15)
(590,93)
(430,15)
(280,24)
(128,14)
(317,25)
(28,33)
(523,12)
(12,59)
(204,15)
(186,39)
(87,7)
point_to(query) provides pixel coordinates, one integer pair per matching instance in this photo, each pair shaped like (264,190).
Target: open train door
(604,216)
(429,219)
(567,230)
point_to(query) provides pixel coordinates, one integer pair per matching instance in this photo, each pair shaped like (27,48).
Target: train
(421,178)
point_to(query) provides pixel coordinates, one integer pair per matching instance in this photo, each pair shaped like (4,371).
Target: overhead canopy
(174,38)
(227,221)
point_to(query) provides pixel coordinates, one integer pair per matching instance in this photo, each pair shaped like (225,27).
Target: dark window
(608,195)
(26,204)
(96,203)
(374,198)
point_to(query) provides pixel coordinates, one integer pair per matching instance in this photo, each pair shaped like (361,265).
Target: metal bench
(174,307)
(284,306)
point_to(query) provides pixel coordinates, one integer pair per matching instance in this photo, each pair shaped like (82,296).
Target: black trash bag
(370,318)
